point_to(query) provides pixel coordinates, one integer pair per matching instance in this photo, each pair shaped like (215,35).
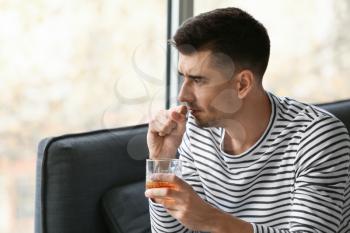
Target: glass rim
(147,160)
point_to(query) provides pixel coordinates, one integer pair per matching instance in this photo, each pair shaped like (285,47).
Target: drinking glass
(168,166)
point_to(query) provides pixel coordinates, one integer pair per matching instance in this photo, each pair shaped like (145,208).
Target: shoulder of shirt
(313,120)
(294,110)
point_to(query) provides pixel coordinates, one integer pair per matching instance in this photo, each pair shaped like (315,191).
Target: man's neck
(244,131)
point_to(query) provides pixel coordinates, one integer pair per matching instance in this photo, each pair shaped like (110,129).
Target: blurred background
(73,66)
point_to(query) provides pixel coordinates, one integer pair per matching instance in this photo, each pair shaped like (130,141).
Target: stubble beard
(206,123)
(217,120)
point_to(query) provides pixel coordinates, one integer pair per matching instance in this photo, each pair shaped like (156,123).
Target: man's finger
(163,128)
(158,192)
(179,113)
(168,203)
(182,109)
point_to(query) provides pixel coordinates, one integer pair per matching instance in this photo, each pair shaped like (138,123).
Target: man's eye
(197,80)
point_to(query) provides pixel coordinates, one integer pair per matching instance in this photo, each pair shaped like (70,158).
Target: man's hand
(165,132)
(184,204)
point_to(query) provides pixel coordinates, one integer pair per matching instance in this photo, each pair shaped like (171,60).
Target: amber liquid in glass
(159,184)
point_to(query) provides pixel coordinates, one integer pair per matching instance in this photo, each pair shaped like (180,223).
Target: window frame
(177,12)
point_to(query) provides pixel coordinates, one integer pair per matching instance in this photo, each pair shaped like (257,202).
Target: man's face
(209,87)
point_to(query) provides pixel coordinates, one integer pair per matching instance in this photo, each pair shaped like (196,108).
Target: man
(253,162)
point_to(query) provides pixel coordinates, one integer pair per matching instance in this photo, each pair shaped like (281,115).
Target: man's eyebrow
(191,76)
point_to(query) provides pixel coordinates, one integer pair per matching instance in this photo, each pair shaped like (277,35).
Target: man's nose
(185,94)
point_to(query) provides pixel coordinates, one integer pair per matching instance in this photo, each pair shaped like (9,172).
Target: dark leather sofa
(93,182)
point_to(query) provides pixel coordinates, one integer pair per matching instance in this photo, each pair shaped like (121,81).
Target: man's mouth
(194,110)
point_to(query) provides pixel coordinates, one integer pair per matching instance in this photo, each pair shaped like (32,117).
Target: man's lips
(194,110)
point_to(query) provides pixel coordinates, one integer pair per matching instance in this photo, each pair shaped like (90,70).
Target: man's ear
(244,83)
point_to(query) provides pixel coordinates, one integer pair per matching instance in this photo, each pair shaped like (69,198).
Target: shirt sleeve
(321,180)
(161,220)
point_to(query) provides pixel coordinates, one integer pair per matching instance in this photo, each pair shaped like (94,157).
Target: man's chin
(202,123)
(201,120)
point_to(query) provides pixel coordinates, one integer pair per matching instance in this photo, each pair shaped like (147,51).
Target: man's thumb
(182,109)
(178,117)
(180,114)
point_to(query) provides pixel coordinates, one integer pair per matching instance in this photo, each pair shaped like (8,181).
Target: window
(71,66)
(310,48)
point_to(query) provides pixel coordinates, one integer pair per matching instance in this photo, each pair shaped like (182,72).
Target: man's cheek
(226,101)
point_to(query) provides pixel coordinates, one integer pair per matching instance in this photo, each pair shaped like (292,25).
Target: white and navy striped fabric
(294,179)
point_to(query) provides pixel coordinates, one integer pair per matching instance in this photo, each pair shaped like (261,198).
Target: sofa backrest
(74,171)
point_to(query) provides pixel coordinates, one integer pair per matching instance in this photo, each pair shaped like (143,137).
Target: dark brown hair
(230,31)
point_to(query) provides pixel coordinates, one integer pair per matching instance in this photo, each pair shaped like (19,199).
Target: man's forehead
(202,61)
(193,62)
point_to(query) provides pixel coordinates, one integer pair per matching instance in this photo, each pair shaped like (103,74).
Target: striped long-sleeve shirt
(294,179)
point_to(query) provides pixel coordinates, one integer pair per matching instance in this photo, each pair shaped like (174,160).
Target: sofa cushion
(126,209)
